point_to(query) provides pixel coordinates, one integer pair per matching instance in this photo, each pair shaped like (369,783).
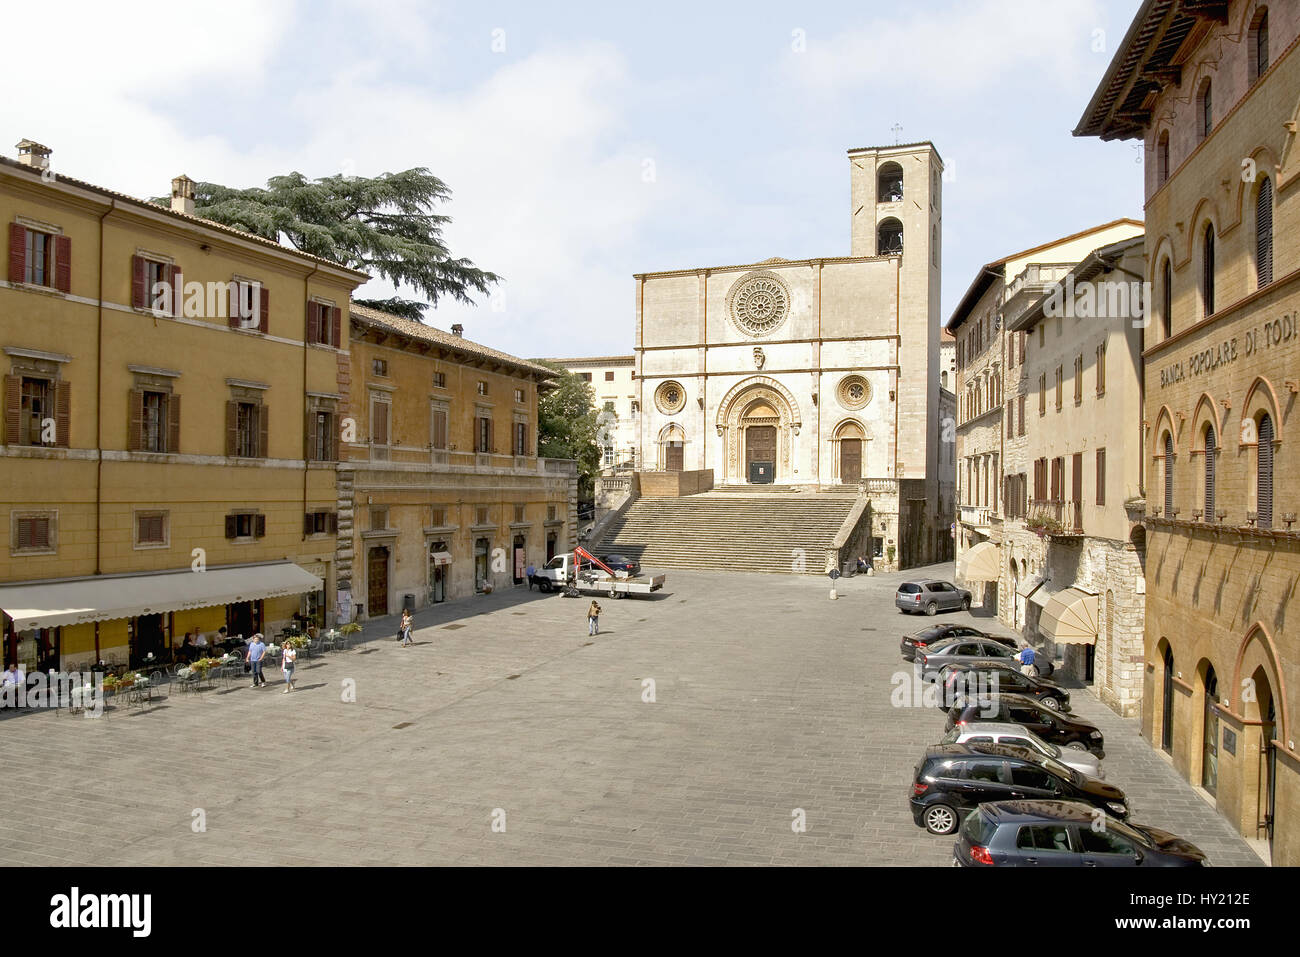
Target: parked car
(994,732)
(930,595)
(953,779)
(1062,834)
(1055,727)
(956,650)
(996,675)
(934,634)
(621,563)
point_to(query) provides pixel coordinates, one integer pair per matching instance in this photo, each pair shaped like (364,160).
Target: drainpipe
(99,403)
(306,401)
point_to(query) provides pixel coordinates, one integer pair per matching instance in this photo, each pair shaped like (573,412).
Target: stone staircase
(735,530)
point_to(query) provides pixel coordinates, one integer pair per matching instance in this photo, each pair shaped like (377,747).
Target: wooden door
(377,578)
(850,460)
(675,453)
(760,453)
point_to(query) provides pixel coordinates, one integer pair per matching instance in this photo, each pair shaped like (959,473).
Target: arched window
(1169,475)
(889,183)
(1207,269)
(1167,299)
(1210,449)
(1258,45)
(1167,724)
(1264,233)
(1205,108)
(1162,158)
(1264,472)
(889,238)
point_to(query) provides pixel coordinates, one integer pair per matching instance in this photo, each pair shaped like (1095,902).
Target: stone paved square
(768,698)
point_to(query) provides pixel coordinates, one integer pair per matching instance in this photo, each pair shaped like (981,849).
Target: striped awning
(979,563)
(1070,618)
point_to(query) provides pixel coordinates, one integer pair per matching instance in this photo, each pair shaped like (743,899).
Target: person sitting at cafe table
(187,650)
(201,641)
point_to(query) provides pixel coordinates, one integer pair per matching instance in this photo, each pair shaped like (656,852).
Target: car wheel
(965,604)
(940,819)
(1077,746)
(931,608)
(1050,702)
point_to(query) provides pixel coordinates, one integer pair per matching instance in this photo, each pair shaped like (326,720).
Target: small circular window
(854,392)
(670,397)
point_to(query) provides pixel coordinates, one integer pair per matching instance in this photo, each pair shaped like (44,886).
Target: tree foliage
(566,427)
(384,225)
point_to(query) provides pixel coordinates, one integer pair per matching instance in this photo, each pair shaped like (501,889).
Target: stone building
(812,373)
(156,473)
(1213,91)
(441,492)
(613,389)
(1074,507)
(990,389)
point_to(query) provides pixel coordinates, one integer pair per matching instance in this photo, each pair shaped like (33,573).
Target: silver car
(932,659)
(930,595)
(994,732)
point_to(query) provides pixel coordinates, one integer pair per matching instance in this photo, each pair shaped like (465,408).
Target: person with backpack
(593,618)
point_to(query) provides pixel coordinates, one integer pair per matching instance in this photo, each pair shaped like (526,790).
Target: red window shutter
(25,533)
(62,413)
(135,421)
(336,327)
(334,523)
(13,409)
(139,276)
(176,301)
(313,322)
(265,320)
(232,430)
(17,253)
(232,526)
(262,429)
(173,423)
(63,263)
(259,530)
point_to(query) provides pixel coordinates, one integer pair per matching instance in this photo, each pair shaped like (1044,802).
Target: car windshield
(1056,767)
(556,562)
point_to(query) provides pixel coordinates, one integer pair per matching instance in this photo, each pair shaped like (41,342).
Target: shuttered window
(1060,387)
(1207,270)
(40,259)
(1101,369)
(1021,402)
(1078,379)
(1100,491)
(521,438)
(1211,447)
(1264,233)
(1264,472)
(1169,475)
(1042,393)
(151,528)
(439,428)
(1167,299)
(324,324)
(246,429)
(378,422)
(321,436)
(33,533)
(484,437)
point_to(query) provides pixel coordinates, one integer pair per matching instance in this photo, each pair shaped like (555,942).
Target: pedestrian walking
(405,629)
(529,572)
(1026,659)
(254,655)
(593,618)
(287,664)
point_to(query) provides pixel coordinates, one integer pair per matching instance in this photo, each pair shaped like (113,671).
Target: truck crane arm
(579,553)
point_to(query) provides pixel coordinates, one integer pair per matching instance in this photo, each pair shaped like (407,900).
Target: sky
(586,142)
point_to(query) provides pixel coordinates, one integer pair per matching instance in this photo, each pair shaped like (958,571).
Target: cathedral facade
(814,373)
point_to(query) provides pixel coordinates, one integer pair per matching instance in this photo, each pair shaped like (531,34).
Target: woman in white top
(287,663)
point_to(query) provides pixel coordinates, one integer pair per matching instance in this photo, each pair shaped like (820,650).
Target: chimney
(183,195)
(458,330)
(34,154)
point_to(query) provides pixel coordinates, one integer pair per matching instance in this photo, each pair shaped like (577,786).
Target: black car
(936,633)
(621,563)
(1065,730)
(1064,834)
(981,676)
(953,779)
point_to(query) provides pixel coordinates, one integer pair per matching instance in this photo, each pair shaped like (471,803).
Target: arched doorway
(672,448)
(1210,731)
(1167,702)
(758,422)
(850,440)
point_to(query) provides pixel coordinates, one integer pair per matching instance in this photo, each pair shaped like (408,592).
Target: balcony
(1029,286)
(1055,519)
(976,516)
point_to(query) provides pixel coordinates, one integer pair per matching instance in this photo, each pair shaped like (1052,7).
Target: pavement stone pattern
(769,697)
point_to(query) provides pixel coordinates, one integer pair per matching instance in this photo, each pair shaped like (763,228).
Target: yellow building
(167,461)
(441,492)
(1213,90)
